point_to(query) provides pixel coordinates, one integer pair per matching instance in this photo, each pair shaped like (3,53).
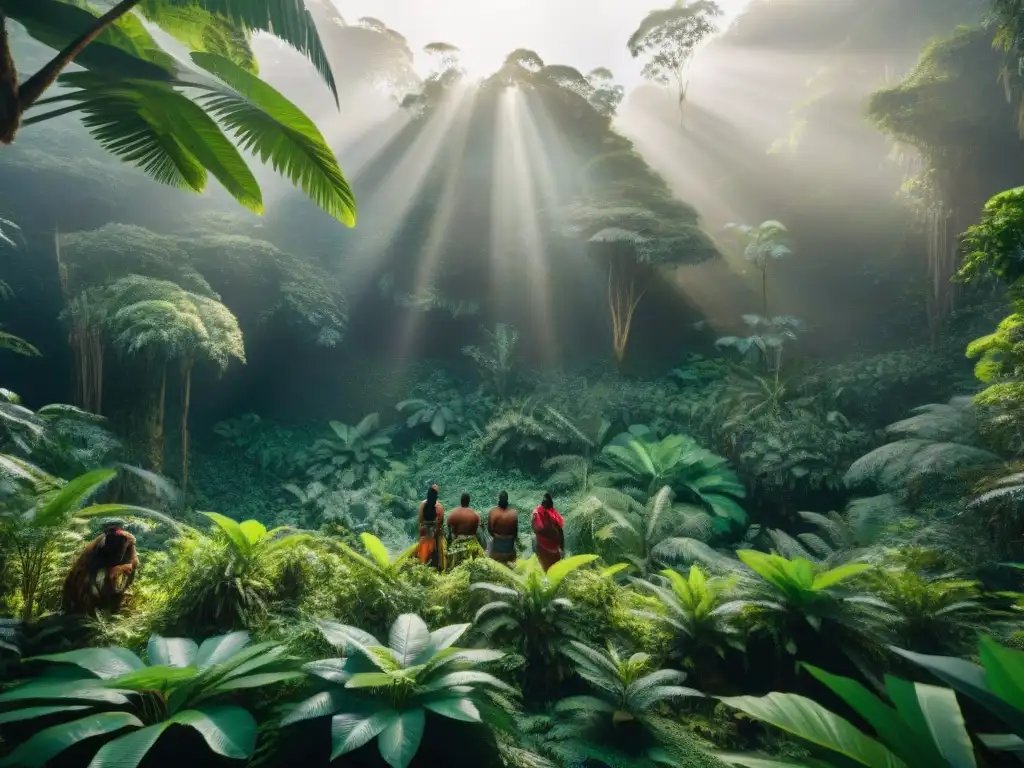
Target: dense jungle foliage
(756,324)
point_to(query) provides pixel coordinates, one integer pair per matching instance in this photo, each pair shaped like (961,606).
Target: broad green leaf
(117,116)
(105,663)
(110,510)
(129,750)
(217,650)
(376,549)
(253,530)
(946,725)
(65,690)
(837,575)
(318,705)
(372,680)
(332,670)
(30,713)
(441,640)
(154,678)
(69,498)
(287,20)
(231,529)
(810,721)
(228,731)
(458,708)
(561,569)
(265,123)
(408,638)
(345,637)
(200,30)
(50,742)
(969,679)
(351,731)
(1004,670)
(257,681)
(880,716)
(470,678)
(171,651)
(400,740)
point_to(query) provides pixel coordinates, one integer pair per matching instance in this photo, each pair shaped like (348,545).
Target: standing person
(463,533)
(548,526)
(431,518)
(503,526)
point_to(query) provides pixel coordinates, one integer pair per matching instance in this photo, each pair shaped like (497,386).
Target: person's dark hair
(430,505)
(548,503)
(503,499)
(464,501)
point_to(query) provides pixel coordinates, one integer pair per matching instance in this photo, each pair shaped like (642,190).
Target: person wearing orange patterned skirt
(431,548)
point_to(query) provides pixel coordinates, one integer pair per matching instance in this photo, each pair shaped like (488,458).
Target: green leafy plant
(922,727)
(995,684)
(440,418)
(647,536)
(385,692)
(700,614)
(109,690)
(228,578)
(132,94)
(494,360)
(791,594)
(529,610)
(635,459)
(355,456)
(621,717)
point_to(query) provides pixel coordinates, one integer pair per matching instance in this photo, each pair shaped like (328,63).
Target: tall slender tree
(669,39)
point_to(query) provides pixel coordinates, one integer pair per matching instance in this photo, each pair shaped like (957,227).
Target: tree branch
(37,85)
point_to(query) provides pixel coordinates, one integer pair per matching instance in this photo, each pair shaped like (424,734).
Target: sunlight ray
(389,204)
(515,223)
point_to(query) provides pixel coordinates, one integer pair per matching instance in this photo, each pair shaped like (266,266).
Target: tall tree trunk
(15,99)
(152,418)
(627,284)
(186,399)
(764,291)
(10,112)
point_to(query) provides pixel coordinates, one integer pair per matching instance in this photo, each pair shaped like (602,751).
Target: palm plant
(789,595)
(356,455)
(104,691)
(699,613)
(647,536)
(530,612)
(923,727)
(936,614)
(494,360)
(620,718)
(380,562)
(763,244)
(698,477)
(441,418)
(230,576)
(133,94)
(526,434)
(385,692)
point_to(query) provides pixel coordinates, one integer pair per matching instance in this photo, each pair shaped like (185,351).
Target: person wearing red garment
(548,527)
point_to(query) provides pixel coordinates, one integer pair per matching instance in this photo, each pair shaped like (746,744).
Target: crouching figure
(102,573)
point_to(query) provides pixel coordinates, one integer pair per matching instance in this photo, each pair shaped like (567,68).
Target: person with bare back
(463,533)
(503,526)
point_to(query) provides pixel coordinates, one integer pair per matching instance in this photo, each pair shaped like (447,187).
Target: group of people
(107,566)
(465,539)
